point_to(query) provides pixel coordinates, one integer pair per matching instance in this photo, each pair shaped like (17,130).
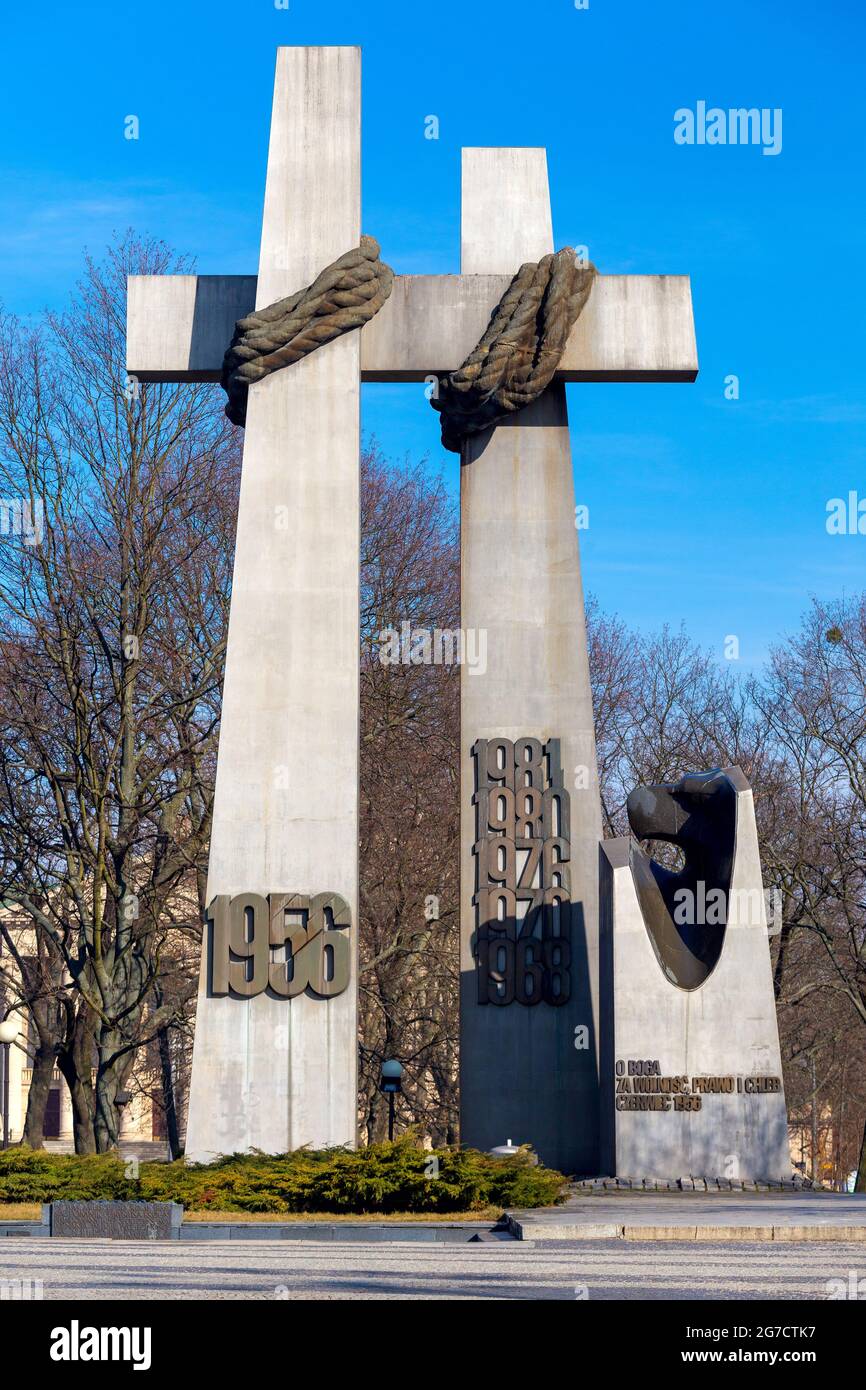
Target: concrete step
(697,1216)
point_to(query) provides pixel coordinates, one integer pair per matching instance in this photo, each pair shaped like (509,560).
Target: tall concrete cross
(276,1072)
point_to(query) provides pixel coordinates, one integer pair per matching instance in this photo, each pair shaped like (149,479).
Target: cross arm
(634,328)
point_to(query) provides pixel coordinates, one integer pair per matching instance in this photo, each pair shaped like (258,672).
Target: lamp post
(391,1085)
(8,1034)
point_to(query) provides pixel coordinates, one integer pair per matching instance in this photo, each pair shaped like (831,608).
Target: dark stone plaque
(117,1220)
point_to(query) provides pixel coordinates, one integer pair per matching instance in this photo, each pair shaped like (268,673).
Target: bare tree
(409,798)
(113,610)
(813,699)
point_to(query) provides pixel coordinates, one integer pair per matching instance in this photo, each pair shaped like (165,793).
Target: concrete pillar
(67,1134)
(135,1119)
(528,1070)
(270,1072)
(18,1064)
(127,1127)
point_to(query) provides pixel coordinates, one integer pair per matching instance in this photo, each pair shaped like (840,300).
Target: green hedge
(383,1178)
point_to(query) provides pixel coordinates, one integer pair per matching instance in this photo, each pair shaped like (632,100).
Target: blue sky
(702,509)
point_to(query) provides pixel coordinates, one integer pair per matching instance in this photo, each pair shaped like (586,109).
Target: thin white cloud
(826,409)
(47,223)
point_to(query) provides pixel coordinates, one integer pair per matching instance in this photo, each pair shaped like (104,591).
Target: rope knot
(519,353)
(345,296)
(512,365)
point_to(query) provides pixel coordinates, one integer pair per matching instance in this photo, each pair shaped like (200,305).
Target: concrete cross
(276,1072)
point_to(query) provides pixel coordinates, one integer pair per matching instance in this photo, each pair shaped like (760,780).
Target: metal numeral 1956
(286,943)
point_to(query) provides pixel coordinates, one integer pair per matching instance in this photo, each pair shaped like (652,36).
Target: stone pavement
(595,1270)
(719,1216)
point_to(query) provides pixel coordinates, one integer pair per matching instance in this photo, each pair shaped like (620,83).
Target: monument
(529,1006)
(691,1065)
(275,1051)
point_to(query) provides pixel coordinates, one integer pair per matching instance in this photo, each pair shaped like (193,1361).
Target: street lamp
(391,1085)
(8,1035)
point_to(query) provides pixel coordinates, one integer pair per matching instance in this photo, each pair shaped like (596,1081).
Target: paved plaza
(100,1270)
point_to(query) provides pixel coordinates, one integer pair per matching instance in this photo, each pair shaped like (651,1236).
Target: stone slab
(690,1216)
(116,1220)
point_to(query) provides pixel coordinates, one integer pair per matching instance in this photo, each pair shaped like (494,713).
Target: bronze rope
(520,351)
(509,369)
(345,296)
